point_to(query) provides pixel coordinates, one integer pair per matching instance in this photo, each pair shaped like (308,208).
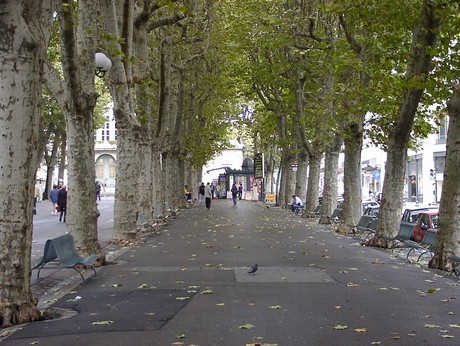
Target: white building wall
(232,158)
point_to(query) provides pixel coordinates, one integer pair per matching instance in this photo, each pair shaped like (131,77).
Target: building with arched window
(105,149)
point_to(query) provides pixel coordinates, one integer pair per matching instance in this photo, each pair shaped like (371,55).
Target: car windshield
(434,220)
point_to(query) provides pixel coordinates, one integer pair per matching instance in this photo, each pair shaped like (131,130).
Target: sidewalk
(189,286)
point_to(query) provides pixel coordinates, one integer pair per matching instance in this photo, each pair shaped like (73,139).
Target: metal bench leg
(424,252)
(408,253)
(79,272)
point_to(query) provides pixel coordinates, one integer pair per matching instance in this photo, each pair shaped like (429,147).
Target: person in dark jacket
(234,191)
(62,202)
(54,198)
(201,192)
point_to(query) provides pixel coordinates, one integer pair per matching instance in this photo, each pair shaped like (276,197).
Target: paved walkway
(189,286)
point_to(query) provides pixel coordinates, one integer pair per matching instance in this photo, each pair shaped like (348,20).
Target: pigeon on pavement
(253,269)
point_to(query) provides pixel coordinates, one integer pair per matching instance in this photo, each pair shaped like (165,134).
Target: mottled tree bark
(449,215)
(25,28)
(424,37)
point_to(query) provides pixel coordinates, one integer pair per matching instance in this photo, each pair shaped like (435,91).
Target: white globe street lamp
(103,64)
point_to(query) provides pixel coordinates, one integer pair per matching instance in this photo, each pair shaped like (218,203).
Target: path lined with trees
(317,76)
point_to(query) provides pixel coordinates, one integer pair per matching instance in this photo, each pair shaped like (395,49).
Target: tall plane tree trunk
(330,180)
(352,176)
(125,206)
(301,175)
(78,49)
(311,201)
(449,221)
(424,40)
(25,28)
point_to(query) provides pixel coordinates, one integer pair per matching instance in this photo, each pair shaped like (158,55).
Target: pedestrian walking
(62,202)
(54,198)
(208,196)
(213,189)
(234,191)
(201,192)
(240,191)
(36,198)
(98,191)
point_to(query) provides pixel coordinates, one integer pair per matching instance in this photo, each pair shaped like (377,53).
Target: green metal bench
(49,255)
(62,249)
(426,246)
(363,224)
(404,235)
(369,230)
(455,265)
(142,222)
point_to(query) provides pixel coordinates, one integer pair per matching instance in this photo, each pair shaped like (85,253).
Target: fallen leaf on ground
(361,330)
(207,292)
(181,336)
(433,290)
(340,327)
(102,323)
(142,286)
(447,336)
(275,307)
(117,285)
(246,326)
(454,325)
(431,325)
(8,332)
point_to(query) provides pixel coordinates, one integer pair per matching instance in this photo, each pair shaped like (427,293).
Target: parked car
(410,214)
(425,220)
(369,203)
(372,210)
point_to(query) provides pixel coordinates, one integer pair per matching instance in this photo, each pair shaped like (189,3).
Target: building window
(103,135)
(442,132)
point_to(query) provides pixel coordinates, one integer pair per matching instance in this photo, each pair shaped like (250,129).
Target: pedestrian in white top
(296,203)
(208,196)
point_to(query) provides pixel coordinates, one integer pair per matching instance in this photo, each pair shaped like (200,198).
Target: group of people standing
(208,192)
(58,197)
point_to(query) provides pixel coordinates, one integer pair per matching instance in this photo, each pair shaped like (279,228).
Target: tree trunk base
(344,229)
(14,314)
(377,241)
(324,221)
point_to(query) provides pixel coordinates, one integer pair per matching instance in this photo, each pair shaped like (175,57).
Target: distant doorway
(106,173)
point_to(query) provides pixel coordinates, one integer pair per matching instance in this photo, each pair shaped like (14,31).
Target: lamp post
(103,64)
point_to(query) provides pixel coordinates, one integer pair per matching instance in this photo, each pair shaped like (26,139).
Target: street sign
(259,166)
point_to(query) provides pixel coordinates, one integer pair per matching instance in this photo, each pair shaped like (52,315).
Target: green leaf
(246,326)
